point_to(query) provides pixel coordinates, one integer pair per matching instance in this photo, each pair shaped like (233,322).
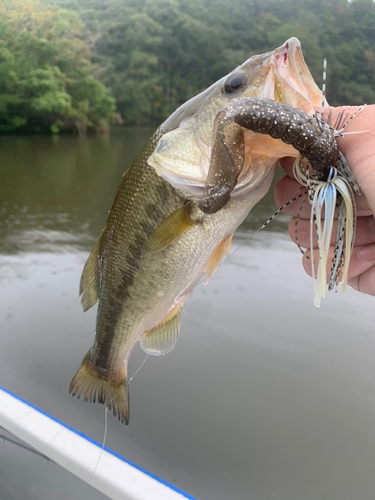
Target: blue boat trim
(99,445)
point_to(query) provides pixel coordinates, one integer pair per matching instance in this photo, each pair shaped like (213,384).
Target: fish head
(182,154)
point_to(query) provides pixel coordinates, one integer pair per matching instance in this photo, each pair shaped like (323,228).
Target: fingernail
(367,253)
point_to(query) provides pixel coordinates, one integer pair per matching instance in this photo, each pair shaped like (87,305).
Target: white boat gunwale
(115,475)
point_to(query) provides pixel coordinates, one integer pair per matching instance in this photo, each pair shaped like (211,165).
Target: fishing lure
(334,194)
(326,175)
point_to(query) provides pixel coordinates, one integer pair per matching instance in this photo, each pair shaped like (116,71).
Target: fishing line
(105,433)
(361,108)
(324,85)
(137,370)
(298,194)
(356,132)
(100,454)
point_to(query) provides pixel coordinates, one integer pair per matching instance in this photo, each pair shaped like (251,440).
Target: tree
(155,54)
(46,74)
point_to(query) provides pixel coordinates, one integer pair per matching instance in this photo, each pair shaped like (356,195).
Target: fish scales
(142,202)
(158,243)
(136,204)
(145,286)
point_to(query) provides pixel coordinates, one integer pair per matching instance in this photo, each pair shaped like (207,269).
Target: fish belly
(165,278)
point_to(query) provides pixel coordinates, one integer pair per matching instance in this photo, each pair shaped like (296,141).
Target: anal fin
(221,251)
(162,339)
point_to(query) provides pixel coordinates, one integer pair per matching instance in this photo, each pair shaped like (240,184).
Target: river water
(264,397)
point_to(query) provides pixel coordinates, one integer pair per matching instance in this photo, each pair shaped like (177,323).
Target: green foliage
(155,54)
(45,69)
(158,53)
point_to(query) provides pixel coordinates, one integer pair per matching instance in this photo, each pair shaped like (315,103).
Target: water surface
(264,397)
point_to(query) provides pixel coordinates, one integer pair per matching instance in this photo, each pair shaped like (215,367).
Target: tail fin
(89,385)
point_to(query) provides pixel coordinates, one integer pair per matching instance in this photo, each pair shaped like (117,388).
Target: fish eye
(235,82)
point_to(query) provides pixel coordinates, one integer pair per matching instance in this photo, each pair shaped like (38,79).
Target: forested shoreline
(77,65)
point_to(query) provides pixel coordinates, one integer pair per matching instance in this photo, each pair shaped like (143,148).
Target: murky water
(264,397)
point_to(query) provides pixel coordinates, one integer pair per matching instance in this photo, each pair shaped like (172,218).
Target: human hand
(359,151)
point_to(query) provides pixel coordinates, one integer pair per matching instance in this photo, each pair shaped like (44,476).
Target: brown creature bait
(311,136)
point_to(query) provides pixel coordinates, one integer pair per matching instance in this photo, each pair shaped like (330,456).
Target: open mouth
(292,73)
(285,51)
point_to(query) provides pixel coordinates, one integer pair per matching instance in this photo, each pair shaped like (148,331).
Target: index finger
(287,165)
(359,148)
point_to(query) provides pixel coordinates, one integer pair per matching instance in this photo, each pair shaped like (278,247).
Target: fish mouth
(293,82)
(182,156)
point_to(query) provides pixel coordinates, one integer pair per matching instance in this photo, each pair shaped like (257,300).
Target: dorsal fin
(221,251)
(162,339)
(87,286)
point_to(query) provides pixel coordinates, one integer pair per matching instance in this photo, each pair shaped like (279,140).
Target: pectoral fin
(172,228)
(87,286)
(162,339)
(218,255)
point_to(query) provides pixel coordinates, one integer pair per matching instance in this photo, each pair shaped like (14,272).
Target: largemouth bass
(174,215)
